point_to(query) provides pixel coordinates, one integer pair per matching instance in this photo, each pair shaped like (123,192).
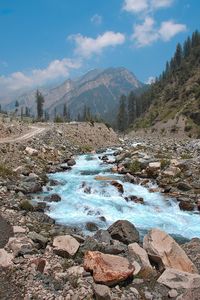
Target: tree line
(134,105)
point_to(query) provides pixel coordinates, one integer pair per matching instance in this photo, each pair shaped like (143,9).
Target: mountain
(172,103)
(98,89)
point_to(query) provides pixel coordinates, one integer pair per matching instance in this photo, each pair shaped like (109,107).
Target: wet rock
(40,206)
(175,279)
(124,231)
(164,251)
(118,185)
(107,269)
(38,238)
(102,292)
(65,246)
(52,198)
(90,226)
(5,259)
(186,205)
(184,186)
(135,199)
(71,162)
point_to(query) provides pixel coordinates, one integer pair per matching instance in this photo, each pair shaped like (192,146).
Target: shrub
(26,205)
(164,163)
(5,172)
(135,166)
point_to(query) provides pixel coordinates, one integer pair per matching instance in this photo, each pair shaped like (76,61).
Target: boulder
(102,292)
(65,245)
(175,279)
(192,249)
(71,162)
(30,151)
(5,259)
(91,226)
(107,269)
(172,171)
(137,253)
(118,185)
(103,236)
(20,246)
(184,186)
(186,205)
(38,238)
(124,231)
(52,198)
(164,251)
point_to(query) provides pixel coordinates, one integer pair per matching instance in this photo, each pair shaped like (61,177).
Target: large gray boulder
(124,231)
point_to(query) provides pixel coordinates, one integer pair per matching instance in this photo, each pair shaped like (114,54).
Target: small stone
(5,259)
(173,293)
(102,292)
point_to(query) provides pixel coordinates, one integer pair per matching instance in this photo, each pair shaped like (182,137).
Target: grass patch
(5,172)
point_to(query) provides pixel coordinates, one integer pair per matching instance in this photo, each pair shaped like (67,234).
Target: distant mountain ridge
(98,89)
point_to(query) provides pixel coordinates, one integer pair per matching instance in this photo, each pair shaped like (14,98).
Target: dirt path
(34,131)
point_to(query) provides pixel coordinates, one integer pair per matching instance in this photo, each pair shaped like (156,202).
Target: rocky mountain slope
(98,89)
(173,102)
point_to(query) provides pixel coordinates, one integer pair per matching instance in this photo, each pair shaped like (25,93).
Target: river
(85,199)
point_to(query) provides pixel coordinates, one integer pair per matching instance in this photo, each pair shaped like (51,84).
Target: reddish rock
(107,269)
(40,264)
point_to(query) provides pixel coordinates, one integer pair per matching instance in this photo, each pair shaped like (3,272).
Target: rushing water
(78,207)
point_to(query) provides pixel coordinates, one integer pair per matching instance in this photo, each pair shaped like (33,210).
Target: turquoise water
(77,207)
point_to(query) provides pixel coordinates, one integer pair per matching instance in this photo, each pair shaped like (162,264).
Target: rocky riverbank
(42,260)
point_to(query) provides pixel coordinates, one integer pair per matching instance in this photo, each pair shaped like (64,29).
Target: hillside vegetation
(173,101)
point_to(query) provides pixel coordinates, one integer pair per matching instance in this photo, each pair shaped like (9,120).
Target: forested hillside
(175,94)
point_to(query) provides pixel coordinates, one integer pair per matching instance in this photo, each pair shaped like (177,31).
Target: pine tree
(65,113)
(122,115)
(187,47)
(40,104)
(178,55)
(132,108)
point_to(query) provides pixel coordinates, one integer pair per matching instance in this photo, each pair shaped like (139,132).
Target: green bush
(5,172)
(135,166)
(26,205)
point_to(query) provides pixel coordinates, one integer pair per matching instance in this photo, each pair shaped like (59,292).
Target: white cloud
(135,6)
(146,33)
(87,46)
(169,29)
(151,80)
(19,80)
(145,6)
(96,19)
(161,3)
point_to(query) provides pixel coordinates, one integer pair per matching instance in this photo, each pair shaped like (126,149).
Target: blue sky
(43,41)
